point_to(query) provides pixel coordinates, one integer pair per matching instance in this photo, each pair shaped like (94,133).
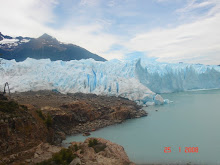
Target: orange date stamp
(186,149)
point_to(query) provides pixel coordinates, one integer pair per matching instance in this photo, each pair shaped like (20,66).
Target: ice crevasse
(135,80)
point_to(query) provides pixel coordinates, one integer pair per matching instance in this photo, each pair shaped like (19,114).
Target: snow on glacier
(135,79)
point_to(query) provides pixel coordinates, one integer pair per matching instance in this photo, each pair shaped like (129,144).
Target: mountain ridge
(43,47)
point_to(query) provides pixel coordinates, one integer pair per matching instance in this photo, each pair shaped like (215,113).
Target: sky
(166,30)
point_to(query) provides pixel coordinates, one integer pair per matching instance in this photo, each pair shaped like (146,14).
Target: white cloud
(196,42)
(89,2)
(25,17)
(194,4)
(90,37)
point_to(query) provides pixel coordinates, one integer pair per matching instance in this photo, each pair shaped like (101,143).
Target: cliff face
(78,113)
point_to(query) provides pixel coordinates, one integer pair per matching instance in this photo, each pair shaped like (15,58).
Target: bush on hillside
(64,157)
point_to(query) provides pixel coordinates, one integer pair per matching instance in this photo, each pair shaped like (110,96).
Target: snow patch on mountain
(25,40)
(8,42)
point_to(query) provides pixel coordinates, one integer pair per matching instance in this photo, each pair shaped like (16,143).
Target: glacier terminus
(137,80)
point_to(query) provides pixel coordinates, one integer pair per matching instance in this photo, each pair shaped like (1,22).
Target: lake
(192,120)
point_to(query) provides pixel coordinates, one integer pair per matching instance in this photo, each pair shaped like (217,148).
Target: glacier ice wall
(166,78)
(87,76)
(135,80)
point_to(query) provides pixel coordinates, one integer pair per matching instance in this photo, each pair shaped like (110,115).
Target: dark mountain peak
(5,36)
(46,37)
(43,47)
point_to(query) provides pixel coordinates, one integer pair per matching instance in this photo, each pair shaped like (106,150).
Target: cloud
(26,17)
(89,2)
(186,42)
(90,37)
(195,4)
(196,42)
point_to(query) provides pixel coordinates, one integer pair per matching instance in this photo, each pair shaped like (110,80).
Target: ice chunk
(167,101)
(158,100)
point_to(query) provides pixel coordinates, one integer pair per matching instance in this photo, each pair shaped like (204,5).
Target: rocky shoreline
(80,113)
(45,116)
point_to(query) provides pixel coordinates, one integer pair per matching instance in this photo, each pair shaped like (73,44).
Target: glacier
(137,80)
(169,77)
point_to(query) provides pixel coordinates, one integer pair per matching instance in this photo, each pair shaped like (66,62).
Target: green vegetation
(76,148)
(47,120)
(8,106)
(92,142)
(40,114)
(2,97)
(24,107)
(64,157)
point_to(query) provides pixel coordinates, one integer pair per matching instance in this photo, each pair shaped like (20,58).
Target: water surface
(192,120)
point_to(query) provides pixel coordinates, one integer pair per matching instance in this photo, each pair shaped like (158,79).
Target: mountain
(20,48)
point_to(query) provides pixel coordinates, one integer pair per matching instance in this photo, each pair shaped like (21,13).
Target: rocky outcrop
(82,117)
(103,153)
(44,152)
(93,151)
(79,113)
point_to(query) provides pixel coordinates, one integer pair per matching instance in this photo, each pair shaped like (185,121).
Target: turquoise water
(192,120)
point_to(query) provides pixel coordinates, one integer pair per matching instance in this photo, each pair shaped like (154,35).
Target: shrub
(40,114)
(8,106)
(96,146)
(64,157)
(24,107)
(95,141)
(76,148)
(2,97)
(92,142)
(49,121)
